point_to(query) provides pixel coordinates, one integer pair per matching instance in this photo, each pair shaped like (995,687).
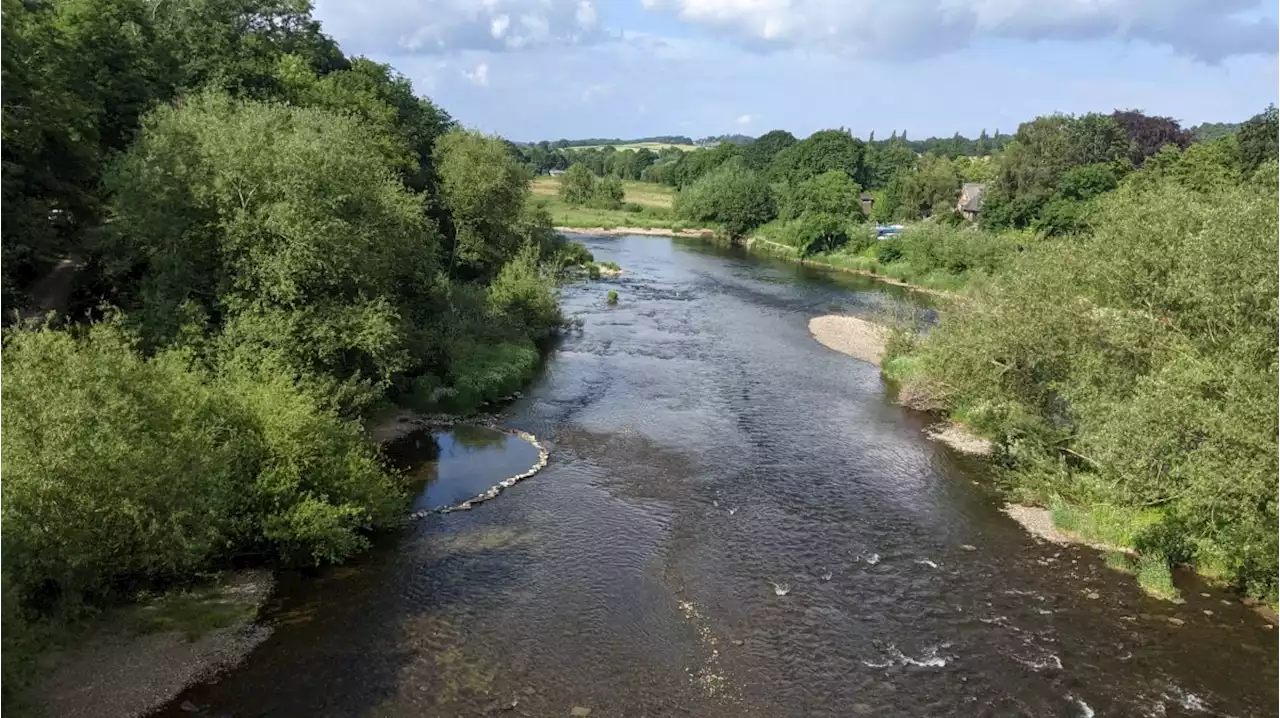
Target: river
(706,455)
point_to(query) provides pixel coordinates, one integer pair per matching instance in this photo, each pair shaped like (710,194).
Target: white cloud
(745,119)
(422,27)
(478,76)
(1208,30)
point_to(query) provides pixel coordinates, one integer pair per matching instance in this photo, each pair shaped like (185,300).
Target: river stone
(189,707)
(580,712)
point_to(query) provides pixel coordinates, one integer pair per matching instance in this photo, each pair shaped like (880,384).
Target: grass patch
(191,613)
(1155,577)
(1103,523)
(1120,561)
(645,194)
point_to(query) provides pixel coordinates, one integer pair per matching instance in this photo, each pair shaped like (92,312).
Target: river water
(706,455)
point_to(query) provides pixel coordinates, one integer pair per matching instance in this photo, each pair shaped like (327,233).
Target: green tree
(820,152)
(758,154)
(932,187)
(484,189)
(608,193)
(577,184)
(231,215)
(832,193)
(1258,139)
(732,196)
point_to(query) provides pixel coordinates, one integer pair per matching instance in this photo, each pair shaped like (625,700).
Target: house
(970,204)
(867,202)
(555,173)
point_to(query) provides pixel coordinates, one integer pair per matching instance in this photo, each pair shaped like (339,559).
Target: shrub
(612,297)
(607,194)
(125,471)
(482,373)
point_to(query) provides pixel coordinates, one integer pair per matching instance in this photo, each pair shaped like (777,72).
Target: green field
(647,205)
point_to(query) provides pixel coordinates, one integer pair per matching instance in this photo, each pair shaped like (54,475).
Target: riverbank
(867,341)
(767,248)
(136,658)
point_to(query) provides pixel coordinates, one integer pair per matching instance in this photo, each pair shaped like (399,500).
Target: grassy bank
(928,256)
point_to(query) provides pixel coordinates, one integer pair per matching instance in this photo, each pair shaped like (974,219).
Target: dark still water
(708,455)
(456,464)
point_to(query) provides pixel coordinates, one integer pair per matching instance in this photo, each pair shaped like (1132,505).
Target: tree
(1258,141)
(577,184)
(233,216)
(407,125)
(1148,135)
(484,188)
(886,160)
(732,196)
(932,187)
(831,193)
(758,154)
(608,193)
(820,152)
(235,44)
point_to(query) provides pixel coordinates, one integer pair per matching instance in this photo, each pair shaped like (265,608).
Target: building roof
(971,197)
(866,197)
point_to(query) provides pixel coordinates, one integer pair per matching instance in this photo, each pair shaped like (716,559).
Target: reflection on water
(454,465)
(706,452)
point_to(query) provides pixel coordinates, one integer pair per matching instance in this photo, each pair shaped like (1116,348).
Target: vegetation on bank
(1130,369)
(278,240)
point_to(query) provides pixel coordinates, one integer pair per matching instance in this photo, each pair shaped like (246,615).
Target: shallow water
(706,455)
(452,465)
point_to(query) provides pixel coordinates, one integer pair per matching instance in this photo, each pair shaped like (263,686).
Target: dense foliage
(730,195)
(1134,365)
(288,239)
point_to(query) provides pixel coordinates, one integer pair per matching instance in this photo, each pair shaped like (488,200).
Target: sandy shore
(960,438)
(856,337)
(646,231)
(116,671)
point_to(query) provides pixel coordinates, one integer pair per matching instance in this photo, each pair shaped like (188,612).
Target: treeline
(277,241)
(591,142)
(950,147)
(1127,369)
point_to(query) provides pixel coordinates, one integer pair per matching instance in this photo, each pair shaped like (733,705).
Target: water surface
(705,452)
(452,465)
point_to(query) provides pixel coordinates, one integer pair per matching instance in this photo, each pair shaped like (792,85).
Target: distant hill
(1209,131)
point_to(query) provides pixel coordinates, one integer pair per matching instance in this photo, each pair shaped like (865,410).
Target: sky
(549,69)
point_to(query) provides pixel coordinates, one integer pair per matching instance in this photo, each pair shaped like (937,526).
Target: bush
(607,194)
(611,298)
(481,373)
(889,250)
(122,471)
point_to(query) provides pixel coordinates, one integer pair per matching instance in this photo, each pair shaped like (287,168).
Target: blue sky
(547,69)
